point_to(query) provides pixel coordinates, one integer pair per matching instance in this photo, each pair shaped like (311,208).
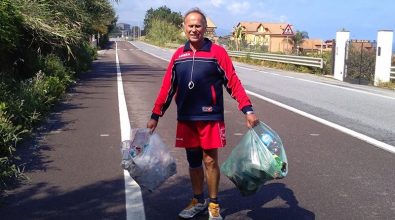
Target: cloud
(216,3)
(283,18)
(239,8)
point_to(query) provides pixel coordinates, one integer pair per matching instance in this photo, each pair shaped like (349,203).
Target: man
(196,74)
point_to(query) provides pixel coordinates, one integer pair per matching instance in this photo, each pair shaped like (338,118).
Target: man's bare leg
(197,180)
(210,159)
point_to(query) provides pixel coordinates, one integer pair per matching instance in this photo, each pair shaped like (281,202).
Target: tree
(162,13)
(10,22)
(298,39)
(163,32)
(49,26)
(238,36)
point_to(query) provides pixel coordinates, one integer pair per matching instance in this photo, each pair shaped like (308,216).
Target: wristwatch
(249,112)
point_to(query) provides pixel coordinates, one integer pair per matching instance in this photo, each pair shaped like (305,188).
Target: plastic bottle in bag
(270,142)
(273,143)
(127,160)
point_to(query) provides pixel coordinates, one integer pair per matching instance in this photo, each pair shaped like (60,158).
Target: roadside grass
(387,85)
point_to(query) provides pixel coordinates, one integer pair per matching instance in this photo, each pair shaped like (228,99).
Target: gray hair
(196,10)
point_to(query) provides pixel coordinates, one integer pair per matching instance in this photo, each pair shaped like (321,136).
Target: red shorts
(204,134)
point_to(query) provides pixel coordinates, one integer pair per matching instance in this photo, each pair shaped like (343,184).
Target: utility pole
(138,31)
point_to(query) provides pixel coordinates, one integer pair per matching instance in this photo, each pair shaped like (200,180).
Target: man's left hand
(252,120)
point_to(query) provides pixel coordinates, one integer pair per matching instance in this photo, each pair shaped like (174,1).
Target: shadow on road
(40,201)
(274,201)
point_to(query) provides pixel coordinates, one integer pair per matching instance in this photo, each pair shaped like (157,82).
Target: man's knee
(194,157)
(210,158)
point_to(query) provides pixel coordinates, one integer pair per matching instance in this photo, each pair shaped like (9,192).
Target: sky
(320,19)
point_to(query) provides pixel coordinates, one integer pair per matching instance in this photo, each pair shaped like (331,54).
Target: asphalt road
(364,109)
(75,174)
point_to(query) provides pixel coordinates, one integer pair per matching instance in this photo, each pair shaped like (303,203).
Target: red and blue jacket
(196,80)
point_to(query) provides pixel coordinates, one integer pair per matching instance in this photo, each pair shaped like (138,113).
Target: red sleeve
(232,81)
(167,90)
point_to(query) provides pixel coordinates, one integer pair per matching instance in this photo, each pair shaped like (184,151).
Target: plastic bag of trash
(147,158)
(259,157)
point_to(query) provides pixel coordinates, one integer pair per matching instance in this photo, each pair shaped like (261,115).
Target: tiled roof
(210,23)
(249,26)
(271,28)
(275,28)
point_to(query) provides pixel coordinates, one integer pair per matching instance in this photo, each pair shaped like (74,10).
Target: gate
(360,59)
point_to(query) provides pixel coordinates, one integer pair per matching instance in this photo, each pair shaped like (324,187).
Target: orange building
(265,34)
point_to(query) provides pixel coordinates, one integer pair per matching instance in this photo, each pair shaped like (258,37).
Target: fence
(392,73)
(298,60)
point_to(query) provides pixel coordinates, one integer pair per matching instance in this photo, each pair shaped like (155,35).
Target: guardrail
(298,60)
(392,73)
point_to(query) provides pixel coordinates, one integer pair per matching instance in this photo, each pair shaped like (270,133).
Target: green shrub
(387,85)
(84,56)
(36,97)
(52,65)
(10,135)
(162,32)
(8,29)
(10,22)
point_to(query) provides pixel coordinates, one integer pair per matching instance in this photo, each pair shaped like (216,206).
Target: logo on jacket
(184,55)
(207,108)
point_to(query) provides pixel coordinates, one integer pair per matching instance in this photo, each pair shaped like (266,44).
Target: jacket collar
(206,45)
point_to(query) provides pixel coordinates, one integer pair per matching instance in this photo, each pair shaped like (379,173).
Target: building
(124,28)
(315,45)
(365,44)
(210,30)
(266,34)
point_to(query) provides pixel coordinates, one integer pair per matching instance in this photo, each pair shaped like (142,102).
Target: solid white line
(151,53)
(355,134)
(133,197)
(320,83)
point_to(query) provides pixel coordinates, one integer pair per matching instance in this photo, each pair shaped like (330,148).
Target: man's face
(194,27)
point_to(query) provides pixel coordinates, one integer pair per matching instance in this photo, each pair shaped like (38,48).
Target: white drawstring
(191,84)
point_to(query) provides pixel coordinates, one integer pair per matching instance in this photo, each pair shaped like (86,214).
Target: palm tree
(239,36)
(298,39)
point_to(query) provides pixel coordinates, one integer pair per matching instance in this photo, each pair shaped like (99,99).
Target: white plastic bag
(147,158)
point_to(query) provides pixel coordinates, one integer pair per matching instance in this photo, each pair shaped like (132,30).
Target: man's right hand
(152,123)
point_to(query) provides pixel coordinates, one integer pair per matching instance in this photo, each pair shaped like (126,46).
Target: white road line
(319,83)
(360,136)
(133,198)
(345,130)
(152,53)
